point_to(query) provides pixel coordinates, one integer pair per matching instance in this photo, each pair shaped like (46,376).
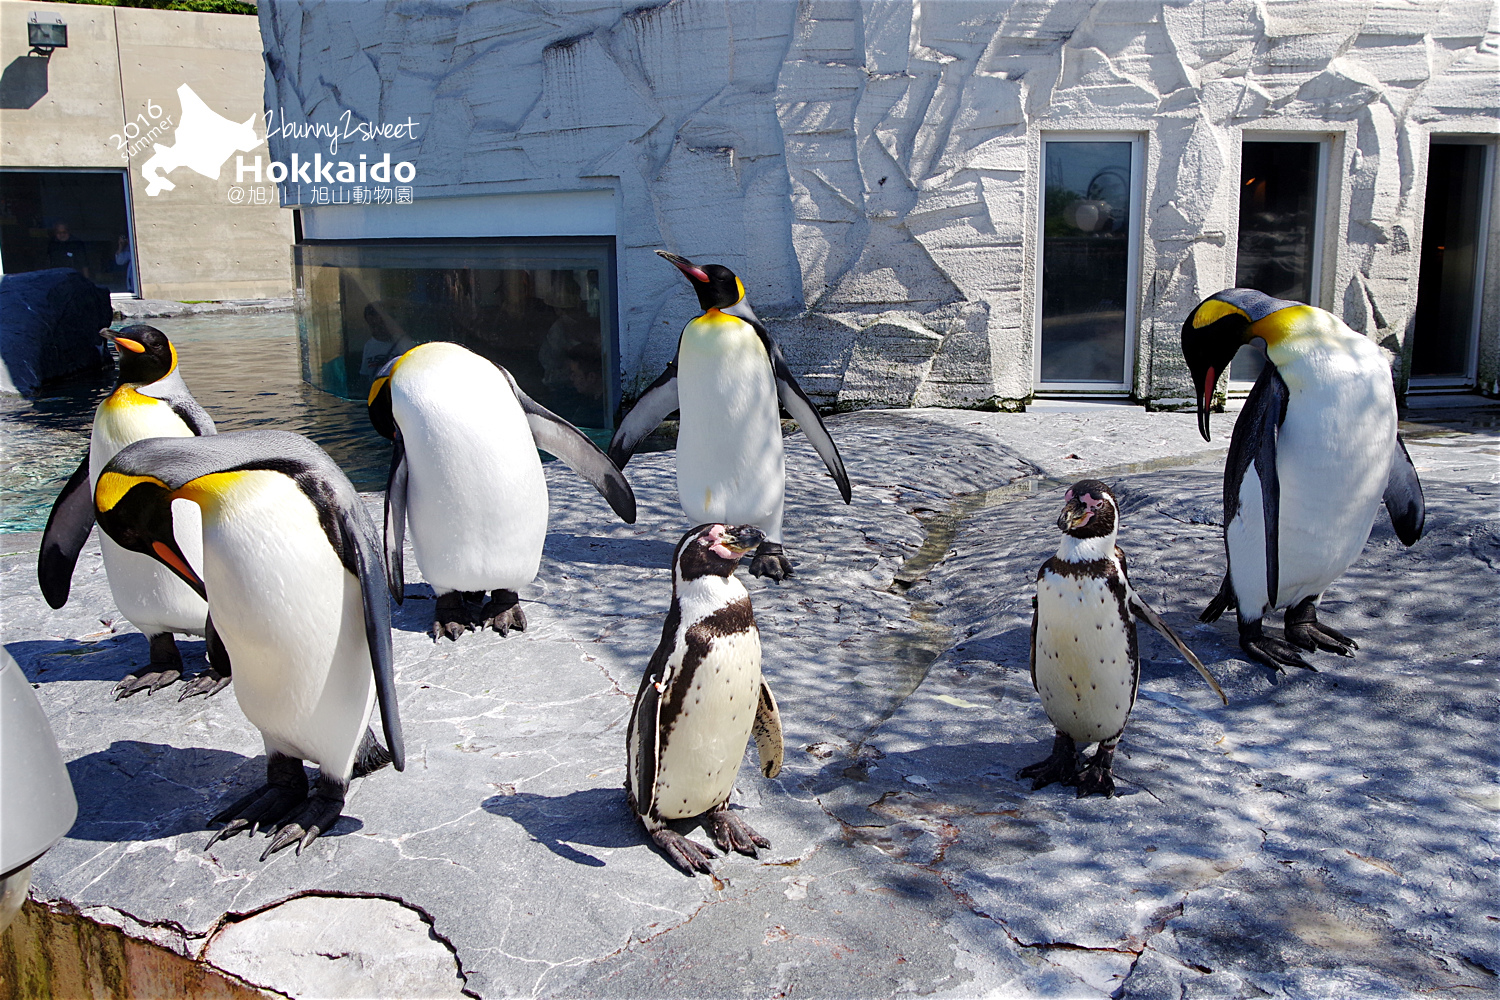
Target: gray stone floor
(1326,834)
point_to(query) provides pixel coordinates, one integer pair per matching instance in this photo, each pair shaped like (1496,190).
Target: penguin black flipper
(68,527)
(767,730)
(656,404)
(1403,497)
(360,553)
(795,401)
(556,435)
(645,721)
(1254,444)
(395,521)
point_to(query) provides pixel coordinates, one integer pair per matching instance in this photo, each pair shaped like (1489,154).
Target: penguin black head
(136,511)
(716,285)
(1088,510)
(146,355)
(713,549)
(1218,327)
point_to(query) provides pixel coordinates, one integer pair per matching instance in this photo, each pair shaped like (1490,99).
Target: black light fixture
(46,36)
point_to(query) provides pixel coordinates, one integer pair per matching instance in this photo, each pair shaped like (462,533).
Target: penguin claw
(148,682)
(1313,636)
(452,617)
(1096,780)
(688,855)
(1276,654)
(769,561)
(731,833)
(503,613)
(209,683)
(319,814)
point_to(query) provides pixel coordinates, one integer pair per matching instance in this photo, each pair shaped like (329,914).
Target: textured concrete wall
(871,168)
(191,243)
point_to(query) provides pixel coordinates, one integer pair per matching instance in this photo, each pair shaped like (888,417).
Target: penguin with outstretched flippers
(1084,659)
(150,400)
(466,477)
(729,382)
(1314,452)
(292,569)
(701,698)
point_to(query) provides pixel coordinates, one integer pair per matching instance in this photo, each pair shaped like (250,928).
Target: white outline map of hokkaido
(205,142)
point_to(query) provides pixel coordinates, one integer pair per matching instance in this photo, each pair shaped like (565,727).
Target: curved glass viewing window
(543,308)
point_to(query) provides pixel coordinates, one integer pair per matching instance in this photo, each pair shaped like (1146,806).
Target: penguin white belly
(730,459)
(703,743)
(476,494)
(1333,459)
(292,620)
(1085,673)
(150,596)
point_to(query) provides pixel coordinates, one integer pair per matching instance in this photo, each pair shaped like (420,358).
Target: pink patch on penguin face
(716,542)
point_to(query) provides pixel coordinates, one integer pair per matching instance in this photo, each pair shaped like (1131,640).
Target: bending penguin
(466,476)
(1314,452)
(700,699)
(292,569)
(150,400)
(730,382)
(1084,659)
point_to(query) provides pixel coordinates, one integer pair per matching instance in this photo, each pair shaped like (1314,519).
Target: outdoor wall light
(44,36)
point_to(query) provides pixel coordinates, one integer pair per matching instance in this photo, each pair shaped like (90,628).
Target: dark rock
(49,327)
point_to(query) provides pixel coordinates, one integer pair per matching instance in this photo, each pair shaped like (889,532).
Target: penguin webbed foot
(165,669)
(503,613)
(1097,776)
(771,562)
(1278,654)
(320,813)
(1060,766)
(453,617)
(264,808)
(208,683)
(690,856)
(731,833)
(1304,631)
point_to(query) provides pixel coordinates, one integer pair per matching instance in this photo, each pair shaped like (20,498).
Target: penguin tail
(371,756)
(1223,601)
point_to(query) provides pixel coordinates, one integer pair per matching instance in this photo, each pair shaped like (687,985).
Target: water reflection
(246,372)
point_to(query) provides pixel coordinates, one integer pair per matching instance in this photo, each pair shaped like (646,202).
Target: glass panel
(1278,203)
(1085,261)
(1443,340)
(543,310)
(67,219)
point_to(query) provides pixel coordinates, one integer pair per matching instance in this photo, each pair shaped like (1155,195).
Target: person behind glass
(65,251)
(383,344)
(122,263)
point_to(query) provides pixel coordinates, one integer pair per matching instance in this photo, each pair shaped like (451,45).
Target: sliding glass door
(1445,338)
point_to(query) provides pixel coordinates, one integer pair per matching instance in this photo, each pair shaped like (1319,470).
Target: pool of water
(244,370)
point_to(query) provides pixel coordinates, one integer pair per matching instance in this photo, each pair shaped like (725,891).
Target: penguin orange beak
(686,266)
(1205,399)
(171,556)
(125,343)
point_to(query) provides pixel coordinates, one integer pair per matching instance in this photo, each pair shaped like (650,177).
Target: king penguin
(700,698)
(729,381)
(1084,660)
(150,400)
(292,569)
(466,476)
(1314,452)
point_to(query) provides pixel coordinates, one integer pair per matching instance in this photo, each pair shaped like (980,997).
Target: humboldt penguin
(729,381)
(701,697)
(150,400)
(292,569)
(1084,660)
(466,476)
(1314,452)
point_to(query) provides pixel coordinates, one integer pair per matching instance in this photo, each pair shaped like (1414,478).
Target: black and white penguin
(700,699)
(1313,453)
(466,475)
(292,569)
(1084,660)
(150,400)
(730,383)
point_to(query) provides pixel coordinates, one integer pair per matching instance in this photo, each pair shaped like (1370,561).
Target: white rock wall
(870,168)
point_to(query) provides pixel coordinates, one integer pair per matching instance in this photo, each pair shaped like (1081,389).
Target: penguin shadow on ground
(138,791)
(593,817)
(108,659)
(648,553)
(414,613)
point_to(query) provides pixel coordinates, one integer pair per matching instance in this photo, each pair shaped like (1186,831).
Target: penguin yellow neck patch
(114,485)
(1284,323)
(210,490)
